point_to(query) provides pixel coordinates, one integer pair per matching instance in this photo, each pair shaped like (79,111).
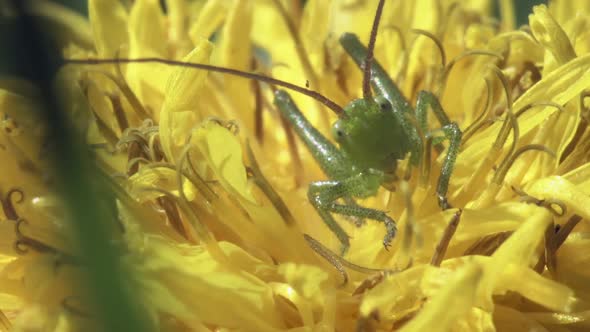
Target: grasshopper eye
(338,130)
(383,103)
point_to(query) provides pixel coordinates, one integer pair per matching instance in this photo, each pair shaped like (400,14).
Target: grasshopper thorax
(370,135)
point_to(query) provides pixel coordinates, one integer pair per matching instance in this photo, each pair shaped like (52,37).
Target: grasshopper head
(370,135)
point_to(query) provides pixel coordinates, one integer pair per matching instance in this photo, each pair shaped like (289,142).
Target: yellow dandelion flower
(211,183)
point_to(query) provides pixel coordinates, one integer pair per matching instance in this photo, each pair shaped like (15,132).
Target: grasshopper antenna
(310,93)
(370,48)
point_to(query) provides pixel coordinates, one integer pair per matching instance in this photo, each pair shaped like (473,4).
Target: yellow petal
(519,249)
(191,275)
(559,188)
(573,263)
(10,302)
(393,292)
(314,29)
(535,287)
(563,10)
(147,32)
(8,239)
(521,246)
(184,83)
(437,314)
(178,115)
(580,177)
(108,19)
(224,155)
(177,10)
(509,319)
(500,218)
(305,310)
(161,178)
(234,51)
(210,17)
(560,86)
(147,38)
(551,35)
(308,280)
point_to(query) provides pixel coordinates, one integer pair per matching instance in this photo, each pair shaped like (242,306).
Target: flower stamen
(566,229)
(509,161)
(5,322)
(479,121)
(554,238)
(536,104)
(133,163)
(8,203)
(171,211)
(262,183)
(465,54)
(439,46)
(23,242)
(121,83)
(488,244)
(445,240)
(403,51)
(118,111)
(555,206)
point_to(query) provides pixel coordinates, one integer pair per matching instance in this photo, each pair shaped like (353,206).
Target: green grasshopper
(372,133)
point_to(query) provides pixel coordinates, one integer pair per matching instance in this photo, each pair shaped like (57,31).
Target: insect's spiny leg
(358,222)
(295,158)
(292,144)
(331,160)
(453,134)
(340,263)
(382,83)
(328,255)
(267,188)
(426,100)
(370,48)
(321,195)
(363,212)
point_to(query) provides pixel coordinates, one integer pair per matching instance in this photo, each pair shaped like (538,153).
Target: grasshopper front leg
(324,196)
(332,161)
(451,132)
(320,196)
(357,221)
